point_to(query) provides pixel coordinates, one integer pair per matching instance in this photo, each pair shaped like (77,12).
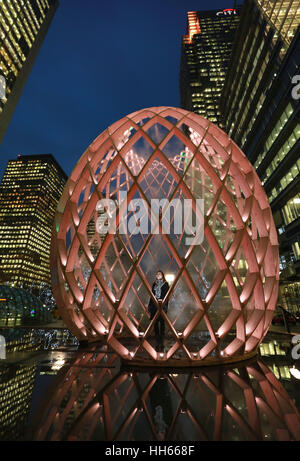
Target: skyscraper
(29,193)
(260,111)
(23,26)
(206,51)
(257,56)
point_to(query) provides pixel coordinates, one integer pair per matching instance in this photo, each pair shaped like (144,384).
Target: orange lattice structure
(222,292)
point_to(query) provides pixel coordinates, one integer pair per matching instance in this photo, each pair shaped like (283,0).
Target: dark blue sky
(100,61)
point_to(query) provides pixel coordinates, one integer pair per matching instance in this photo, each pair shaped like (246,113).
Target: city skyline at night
(96,65)
(150,223)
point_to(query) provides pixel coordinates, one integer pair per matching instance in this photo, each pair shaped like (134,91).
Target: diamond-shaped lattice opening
(150,263)
(183,219)
(137,225)
(134,305)
(158,256)
(183,306)
(158,182)
(173,147)
(203,266)
(200,339)
(168,345)
(138,155)
(157,132)
(100,302)
(223,227)
(115,267)
(200,184)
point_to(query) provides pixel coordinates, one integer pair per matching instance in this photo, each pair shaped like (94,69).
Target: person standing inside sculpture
(160,288)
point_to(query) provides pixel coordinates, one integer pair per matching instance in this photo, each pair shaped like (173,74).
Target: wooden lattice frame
(99,283)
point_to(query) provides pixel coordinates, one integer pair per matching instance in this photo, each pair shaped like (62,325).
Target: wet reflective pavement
(54,390)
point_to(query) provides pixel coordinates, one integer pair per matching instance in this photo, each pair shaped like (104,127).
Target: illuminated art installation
(92,400)
(222,292)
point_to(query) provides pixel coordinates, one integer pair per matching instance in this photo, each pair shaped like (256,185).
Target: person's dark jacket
(152,306)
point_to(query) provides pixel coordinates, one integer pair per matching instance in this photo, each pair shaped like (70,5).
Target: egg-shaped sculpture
(164,189)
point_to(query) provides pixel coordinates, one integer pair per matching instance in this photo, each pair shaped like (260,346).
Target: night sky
(100,61)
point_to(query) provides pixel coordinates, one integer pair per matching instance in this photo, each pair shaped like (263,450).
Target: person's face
(159,276)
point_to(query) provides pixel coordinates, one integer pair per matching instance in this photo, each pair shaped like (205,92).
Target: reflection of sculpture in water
(92,400)
(161,405)
(160,288)
(161,426)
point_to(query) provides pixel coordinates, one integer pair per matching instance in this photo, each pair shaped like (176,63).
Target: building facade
(260,111)
(23,27)
(29,193)
(205,55)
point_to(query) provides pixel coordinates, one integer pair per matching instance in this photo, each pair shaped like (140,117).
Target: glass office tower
(283,15)
(29,193)
(206,51)
(23,26)
(260,111)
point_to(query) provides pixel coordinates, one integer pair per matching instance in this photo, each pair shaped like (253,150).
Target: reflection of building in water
(90,402)
(16,386)
(18,340)
(278,357)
